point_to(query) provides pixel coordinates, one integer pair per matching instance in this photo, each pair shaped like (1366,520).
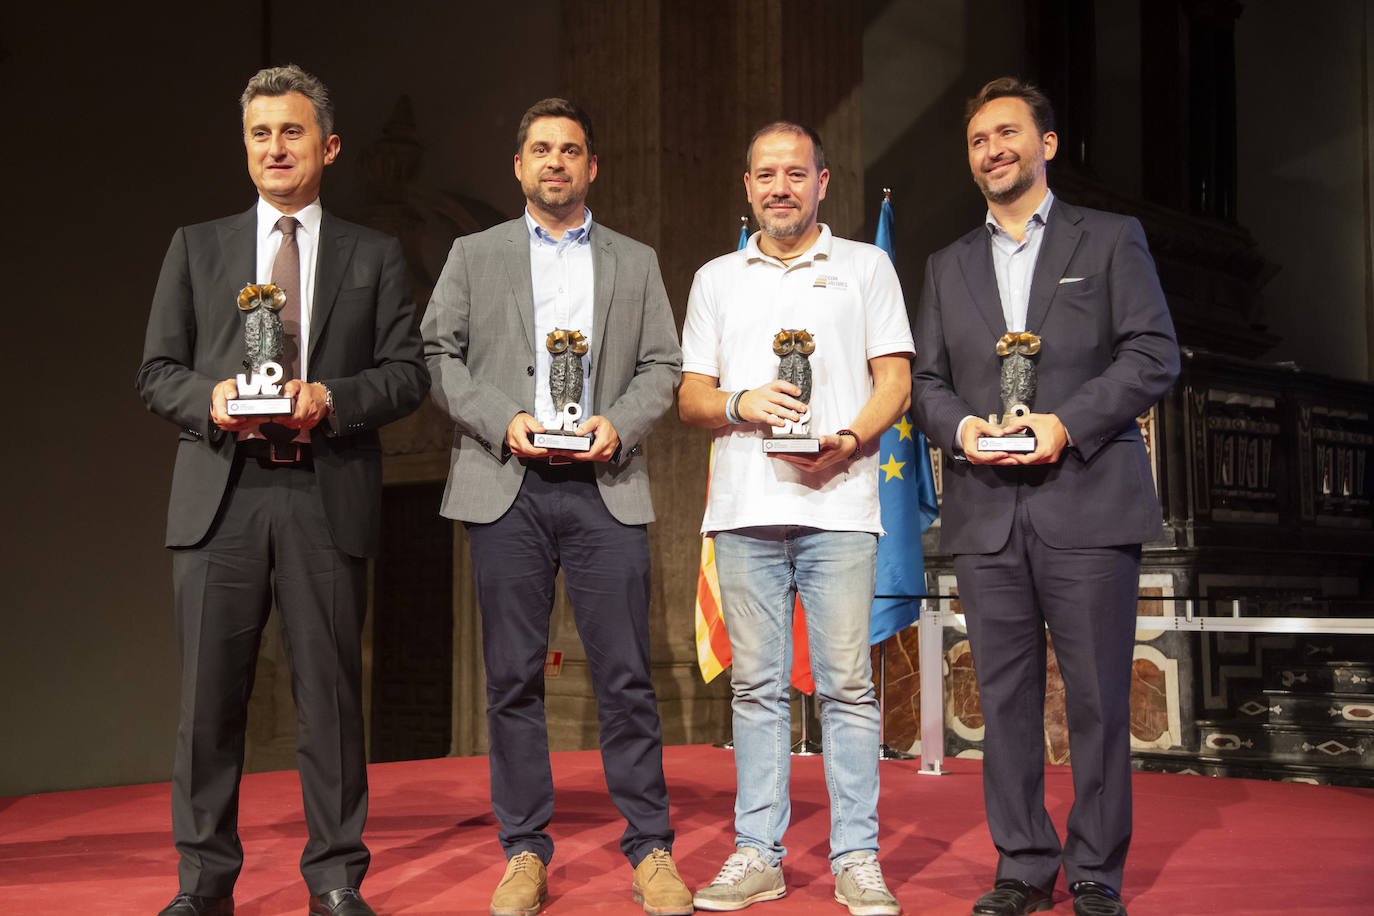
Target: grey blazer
(1107,354)
(479,345)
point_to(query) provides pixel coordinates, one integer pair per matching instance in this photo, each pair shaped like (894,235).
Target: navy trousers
(1087,598)
(558,520)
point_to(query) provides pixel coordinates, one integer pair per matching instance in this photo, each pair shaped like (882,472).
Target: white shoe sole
(720,906)
(873,909)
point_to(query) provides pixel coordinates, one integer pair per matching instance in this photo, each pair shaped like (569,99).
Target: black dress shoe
(342,901)
(1093,899)
(1012,897)
(191,905)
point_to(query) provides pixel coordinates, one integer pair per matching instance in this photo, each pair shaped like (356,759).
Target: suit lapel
(603,287)
(517,261)
(335,248)
(975,260)
(238,242)
(1062,234)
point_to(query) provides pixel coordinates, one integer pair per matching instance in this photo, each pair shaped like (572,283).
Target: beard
(1008,190)
(784,226)
(553,200)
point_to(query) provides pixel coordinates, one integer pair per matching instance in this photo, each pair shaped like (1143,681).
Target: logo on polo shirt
(829,281)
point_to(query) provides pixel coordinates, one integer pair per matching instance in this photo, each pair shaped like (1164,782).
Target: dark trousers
(558,520)
(1087,598)
(271,538)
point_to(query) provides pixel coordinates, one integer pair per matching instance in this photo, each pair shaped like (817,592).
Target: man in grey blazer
(1049,537)
(529,510)
(285,510)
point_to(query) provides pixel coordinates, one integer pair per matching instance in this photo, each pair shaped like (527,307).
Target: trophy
(1017,350)
(565,386)
(794,349)
(264,339)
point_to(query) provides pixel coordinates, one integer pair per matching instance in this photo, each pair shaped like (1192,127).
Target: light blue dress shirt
(561,274)
(1014,262)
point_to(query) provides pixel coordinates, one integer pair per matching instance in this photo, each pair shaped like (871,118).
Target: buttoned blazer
(364,345)
(480,346)
(1108,353)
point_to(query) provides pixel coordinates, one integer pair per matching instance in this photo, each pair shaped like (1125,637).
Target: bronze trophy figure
(264,339)
(565,387)
(1018,351)
(794,348)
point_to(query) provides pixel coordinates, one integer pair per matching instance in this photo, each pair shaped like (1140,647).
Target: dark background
(124,125)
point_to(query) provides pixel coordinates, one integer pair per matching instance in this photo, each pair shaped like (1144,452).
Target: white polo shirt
(847,295)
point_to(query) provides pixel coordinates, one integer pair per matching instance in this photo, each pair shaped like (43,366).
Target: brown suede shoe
(659,887)
(523,888)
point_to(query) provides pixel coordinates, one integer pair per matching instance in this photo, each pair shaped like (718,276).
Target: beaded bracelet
(858,443)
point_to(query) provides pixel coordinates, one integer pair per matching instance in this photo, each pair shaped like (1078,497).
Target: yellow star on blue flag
(909,508)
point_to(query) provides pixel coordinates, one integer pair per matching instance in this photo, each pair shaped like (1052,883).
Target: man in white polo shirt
(796,524)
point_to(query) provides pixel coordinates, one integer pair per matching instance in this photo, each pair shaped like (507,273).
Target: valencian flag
(906,491)
(713,643)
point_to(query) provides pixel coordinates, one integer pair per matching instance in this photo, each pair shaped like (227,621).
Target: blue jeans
(762,571)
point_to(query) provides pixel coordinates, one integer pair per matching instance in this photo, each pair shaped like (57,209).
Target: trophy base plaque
(259,406)
(567,442)
(1006,443)
(791,445)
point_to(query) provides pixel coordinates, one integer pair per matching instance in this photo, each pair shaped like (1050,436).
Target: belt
(270,455)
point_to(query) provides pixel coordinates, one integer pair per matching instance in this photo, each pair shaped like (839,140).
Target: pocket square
(1063,280)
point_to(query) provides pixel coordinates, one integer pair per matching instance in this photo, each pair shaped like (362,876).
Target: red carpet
(1202,845)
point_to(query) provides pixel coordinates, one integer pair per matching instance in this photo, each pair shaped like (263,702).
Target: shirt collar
(1040,216)
(819,249)
(578,236)
(308,216)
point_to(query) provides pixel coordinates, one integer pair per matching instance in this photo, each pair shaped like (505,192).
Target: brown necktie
(286,275)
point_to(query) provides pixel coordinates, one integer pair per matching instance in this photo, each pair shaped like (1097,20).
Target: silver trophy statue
(794,348)
(566,349)
(264,339)
(1018,350)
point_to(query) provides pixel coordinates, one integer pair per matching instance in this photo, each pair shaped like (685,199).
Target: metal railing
(930,633)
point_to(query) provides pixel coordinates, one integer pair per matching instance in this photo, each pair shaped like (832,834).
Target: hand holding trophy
(1018,351)
(565,387)
(793,348)
(264,339)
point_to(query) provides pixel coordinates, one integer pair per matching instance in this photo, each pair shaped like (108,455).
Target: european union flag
(906,490)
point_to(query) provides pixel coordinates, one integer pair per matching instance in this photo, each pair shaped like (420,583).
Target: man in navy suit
(1051,536)
(285,511)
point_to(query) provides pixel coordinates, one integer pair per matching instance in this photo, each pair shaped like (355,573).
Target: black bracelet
(732,408)
(858,443)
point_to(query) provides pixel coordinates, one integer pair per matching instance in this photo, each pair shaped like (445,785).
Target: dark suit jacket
(1107,354)
(479,339)
(364,345)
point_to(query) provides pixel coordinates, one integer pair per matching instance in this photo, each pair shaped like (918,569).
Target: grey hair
(277,81)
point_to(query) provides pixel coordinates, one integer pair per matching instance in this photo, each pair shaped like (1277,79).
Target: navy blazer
(1108,353)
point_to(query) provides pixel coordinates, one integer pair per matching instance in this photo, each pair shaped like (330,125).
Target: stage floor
(1202,845)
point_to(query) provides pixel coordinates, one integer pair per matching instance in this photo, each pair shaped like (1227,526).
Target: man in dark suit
(286,509)
(490,340)
(1051,536)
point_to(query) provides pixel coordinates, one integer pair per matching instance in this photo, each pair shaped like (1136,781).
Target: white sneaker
(744,879)
(859,885)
